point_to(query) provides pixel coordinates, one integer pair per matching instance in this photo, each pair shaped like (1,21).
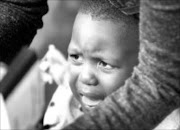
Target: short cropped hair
(104,10)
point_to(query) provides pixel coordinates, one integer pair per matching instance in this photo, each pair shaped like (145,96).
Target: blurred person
(19,21)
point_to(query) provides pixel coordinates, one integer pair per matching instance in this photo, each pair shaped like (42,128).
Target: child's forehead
(83,17)
(104,31)
(87,22)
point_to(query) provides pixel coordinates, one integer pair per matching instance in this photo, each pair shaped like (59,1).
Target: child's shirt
(62,110)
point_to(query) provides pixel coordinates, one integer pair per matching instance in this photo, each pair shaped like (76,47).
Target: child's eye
(104,65)
(75,58)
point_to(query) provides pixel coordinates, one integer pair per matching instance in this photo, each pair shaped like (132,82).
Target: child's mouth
(90,102)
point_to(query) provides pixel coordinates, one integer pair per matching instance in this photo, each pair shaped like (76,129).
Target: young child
(101,55)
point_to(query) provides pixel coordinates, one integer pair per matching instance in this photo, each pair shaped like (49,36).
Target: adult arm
(153,90)
(19,21)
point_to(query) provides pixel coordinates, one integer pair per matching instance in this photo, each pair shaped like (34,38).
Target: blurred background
(57,27)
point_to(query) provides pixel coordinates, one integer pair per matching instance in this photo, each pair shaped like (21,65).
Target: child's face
(101,56)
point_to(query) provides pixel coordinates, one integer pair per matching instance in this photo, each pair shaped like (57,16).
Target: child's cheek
(74,72)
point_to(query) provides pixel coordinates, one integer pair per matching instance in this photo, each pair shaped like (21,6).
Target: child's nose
(88,76)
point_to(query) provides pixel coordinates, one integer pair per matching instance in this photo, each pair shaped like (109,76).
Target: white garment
(4,119)
(63,108)
(58,114)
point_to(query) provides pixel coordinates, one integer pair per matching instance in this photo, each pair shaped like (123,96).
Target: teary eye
(104,65)
(75,58)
